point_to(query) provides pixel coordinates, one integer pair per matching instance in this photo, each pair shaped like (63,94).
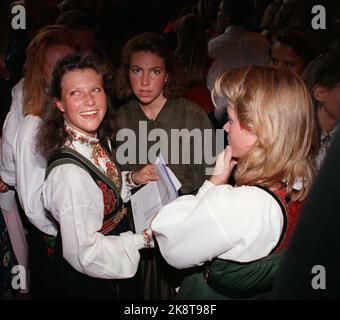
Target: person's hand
(145,175)
(3,186)
(224,166)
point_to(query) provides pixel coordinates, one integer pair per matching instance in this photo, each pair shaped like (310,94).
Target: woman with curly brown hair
(84,191)
(149,77)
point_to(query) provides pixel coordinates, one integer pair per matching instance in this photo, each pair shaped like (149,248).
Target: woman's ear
(59,105)
(320,92)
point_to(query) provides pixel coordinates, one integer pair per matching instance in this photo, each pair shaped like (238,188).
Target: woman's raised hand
(224,166)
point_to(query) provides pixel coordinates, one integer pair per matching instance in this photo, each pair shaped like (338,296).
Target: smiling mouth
(88,113)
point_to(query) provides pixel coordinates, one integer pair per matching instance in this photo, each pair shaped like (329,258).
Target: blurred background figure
(21,167)
(294,48)
(236,47)
(192,53)
(83,28)
(322,77)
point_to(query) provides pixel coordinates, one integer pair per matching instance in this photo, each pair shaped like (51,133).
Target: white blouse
(29,174)
(10,130)
(76,202)
(235,223)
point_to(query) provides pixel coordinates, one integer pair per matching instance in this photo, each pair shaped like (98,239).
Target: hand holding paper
(147,202)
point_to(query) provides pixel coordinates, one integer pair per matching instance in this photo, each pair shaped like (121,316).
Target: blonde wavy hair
(34,88)
(276,106)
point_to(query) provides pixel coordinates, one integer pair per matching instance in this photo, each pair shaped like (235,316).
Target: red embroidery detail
(109,197)
(293,209)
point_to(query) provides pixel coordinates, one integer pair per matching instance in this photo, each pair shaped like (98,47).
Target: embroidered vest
(223,279)
(64,281)
(115,220)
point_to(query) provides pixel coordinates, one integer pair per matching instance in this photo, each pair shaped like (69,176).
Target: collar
(74,135)
(163,115)
(331,134)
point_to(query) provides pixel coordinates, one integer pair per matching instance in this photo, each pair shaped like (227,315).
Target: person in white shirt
(245,222)
(21,167)
(83,187)
(236,47)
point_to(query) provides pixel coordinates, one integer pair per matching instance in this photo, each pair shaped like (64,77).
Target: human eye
(74,93)
(156,71)
(97,89)
(135,70)
(290,65)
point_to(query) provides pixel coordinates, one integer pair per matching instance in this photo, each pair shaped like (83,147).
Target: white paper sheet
(148,201)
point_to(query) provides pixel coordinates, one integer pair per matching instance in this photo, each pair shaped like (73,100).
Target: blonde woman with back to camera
(236,235)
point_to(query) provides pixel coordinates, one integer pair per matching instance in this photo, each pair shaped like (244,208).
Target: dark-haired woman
(149,78)
(95,251)
(294,48)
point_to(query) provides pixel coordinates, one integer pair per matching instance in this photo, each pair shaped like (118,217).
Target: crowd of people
(74,84)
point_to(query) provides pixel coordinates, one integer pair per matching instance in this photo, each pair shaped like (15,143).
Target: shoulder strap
(284,215)
(57,160)
(69,156)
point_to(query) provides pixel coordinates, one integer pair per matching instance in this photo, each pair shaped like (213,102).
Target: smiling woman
(84,191)
(83,100)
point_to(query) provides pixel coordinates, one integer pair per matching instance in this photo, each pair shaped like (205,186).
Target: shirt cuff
(144,240)
(127,186)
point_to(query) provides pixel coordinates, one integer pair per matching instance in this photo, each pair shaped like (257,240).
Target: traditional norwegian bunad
(232,279)
(94,245)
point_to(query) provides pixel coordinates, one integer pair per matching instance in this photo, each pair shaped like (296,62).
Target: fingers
(3,187)
(147,174)
(152,173)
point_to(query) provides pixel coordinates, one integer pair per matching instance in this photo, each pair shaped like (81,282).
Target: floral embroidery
(74,136)
(98,154)
(108,197)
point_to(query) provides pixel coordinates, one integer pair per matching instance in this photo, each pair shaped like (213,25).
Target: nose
(89,99)
(226,126)
(145,79)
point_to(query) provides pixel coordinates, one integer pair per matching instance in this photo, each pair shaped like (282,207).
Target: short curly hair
(154,43)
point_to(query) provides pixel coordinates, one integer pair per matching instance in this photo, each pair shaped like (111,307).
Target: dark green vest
(226,280)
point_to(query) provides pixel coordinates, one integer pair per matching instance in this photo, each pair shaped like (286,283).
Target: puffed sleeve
(76,202)
(240,224)
(30,169)
(9,136)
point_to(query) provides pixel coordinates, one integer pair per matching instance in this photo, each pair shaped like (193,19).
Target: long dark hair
(154,43)
(324,70)
(52,134)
